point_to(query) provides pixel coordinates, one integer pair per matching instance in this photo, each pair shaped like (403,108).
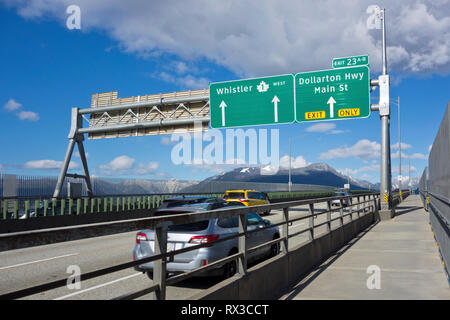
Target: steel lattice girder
(111,117)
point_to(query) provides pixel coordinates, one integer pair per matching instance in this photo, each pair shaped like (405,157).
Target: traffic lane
(28,267)
(89,254)
(32,266)
(277,216)
(126,281)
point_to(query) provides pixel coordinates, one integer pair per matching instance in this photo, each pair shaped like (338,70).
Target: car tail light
(203,239)
(243,200)
(141,237)
(204,262)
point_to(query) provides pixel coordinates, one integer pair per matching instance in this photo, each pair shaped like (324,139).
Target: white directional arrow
(331,102)
(275,101)
(223,106)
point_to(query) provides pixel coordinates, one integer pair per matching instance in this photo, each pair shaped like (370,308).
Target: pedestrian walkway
(402,249)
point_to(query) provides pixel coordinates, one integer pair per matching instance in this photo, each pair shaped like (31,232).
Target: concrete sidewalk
(404,250)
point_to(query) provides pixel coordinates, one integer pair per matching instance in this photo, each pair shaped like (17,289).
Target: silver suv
(190,234)
(345,201)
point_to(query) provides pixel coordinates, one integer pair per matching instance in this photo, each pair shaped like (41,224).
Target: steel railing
(25,207)
(361,204)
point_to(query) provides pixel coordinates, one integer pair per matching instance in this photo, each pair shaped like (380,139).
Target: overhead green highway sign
(259,101)
(332,94)
(351,61)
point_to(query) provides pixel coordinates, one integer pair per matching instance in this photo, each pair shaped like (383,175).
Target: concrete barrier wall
(18,225)
(271,278)
(25,239)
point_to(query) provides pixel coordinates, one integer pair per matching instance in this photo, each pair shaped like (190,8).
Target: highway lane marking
(297,225)
(386,269)
(37,261)
(98,286)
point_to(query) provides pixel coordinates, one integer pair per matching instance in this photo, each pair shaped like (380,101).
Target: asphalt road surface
(28,267)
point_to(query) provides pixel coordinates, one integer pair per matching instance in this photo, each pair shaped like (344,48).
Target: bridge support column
(74,137)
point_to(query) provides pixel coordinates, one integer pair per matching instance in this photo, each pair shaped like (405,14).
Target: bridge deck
(403,248)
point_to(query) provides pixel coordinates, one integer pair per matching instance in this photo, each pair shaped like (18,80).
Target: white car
(346,201)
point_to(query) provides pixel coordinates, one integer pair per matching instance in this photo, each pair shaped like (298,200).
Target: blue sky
(46,69)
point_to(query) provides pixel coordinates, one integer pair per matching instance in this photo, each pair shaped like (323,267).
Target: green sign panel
(332,94)
(351,61)
(260,101)
(335,94)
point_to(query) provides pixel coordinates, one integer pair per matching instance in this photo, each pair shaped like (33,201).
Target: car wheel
(275,248)
(230,268)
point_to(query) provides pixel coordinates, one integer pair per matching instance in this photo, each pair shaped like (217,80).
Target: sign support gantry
(111,117)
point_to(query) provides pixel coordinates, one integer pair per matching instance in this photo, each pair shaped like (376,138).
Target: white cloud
(49,164)
(416,155)
(373,167)
(180,67)
(327,127)
(12,105)
(321,127)
(147,168)
(124,165)
(297,162)
(186,82)
(363,149)
(403,145)
(118,165)
(265,37)
(405,169)
(28,115)
(338,131)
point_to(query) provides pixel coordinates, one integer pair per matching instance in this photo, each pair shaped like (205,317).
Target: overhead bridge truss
(113,117)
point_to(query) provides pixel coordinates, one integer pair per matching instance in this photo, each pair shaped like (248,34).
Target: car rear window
(172,203)
(202,206)
(256,195)
(235,195)
(228,222)
(189,227)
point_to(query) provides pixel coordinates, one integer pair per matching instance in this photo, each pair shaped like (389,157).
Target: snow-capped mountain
(316,174)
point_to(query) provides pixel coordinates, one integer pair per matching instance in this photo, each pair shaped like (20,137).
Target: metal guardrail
(397,198)
(443,200)
(364,203)
(23,207)
(434,189)
(438,206)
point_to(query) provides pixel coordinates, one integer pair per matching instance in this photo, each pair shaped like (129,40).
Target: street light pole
(290,155)
(409,174)
(384,108)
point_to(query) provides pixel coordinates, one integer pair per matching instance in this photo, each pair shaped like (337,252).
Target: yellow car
(247,197)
